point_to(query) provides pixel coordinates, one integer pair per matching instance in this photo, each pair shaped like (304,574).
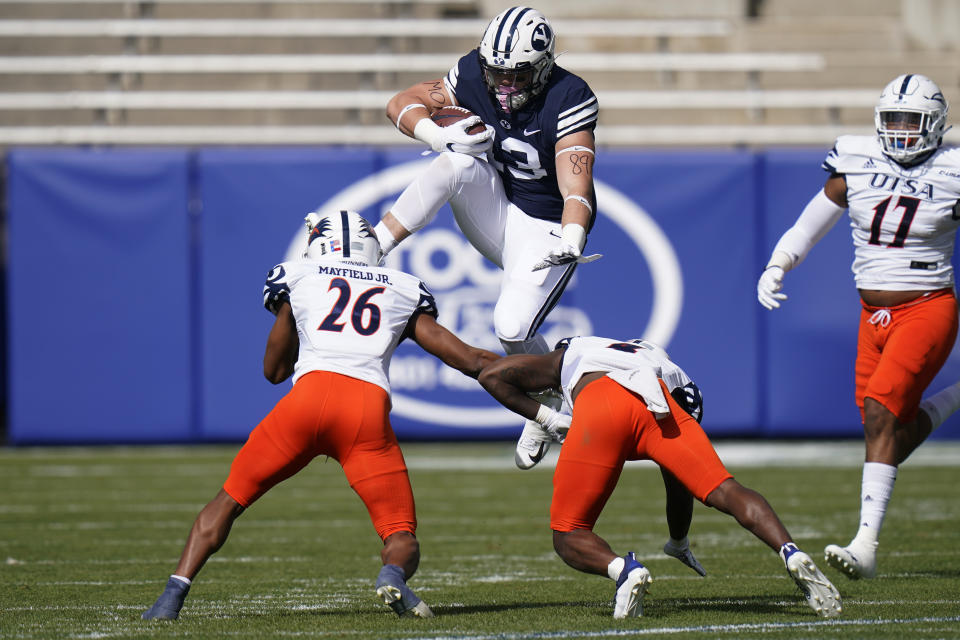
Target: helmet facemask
(516,57)
(512,88)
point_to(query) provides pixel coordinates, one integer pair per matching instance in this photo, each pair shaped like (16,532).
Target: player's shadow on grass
(770,603)
(442,610)
(653,607)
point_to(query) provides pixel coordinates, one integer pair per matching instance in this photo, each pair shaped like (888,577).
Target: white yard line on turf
(489,456)
(713,628)
(735,454)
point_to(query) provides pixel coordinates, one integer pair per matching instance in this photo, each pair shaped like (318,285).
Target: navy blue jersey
(525,142)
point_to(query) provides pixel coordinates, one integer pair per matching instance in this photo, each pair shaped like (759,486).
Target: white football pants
(502,233)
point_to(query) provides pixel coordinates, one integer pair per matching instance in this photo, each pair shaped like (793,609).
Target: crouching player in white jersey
(623,409)
(522,190)
(339,318)
(902,190)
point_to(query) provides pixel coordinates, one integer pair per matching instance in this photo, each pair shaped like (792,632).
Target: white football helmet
(343,235)
(516,55)
(911,118)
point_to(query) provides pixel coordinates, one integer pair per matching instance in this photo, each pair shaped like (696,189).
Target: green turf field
(88,537)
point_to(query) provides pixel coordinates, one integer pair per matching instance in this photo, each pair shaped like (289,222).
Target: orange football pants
(338,416)
(897,362)
(612,425)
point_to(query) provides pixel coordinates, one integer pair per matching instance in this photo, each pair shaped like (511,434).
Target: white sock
(942,404)
(181,579)
(615,568)
(875,492)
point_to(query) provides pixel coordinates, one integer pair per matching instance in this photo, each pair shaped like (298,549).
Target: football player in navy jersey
(521,190)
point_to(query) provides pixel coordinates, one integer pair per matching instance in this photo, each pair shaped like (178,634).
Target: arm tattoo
(435,89)
(514,375)
(580,162)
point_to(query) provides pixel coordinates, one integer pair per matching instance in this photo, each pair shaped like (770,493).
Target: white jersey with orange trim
(904,219)
(637,365)
(350,318)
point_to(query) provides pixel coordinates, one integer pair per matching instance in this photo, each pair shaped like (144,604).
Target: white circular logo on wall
(465,264)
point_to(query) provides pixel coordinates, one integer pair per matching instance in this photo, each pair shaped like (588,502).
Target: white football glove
(572,238)
(769,287)
(454,137)
(555,423)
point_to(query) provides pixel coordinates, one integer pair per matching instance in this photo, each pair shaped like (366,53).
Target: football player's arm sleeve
(283,346)
(439,341)
(817,218)
(510,378)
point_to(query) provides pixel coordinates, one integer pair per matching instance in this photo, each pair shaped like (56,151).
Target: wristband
(426,130)
(780,259)
(575,147)
(581,200)
(384,237)
(403,111)
(574,234)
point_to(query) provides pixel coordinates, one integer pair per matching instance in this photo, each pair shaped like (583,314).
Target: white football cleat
(535,439)
(533,444)
(855,563)
(632,585)
(820,593)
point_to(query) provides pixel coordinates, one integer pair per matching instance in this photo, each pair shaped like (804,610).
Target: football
(445,116)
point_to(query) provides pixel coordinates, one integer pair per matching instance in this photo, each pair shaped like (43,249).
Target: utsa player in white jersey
(521,190)
(630,402)
(339,318)
(902,191)
(679,502)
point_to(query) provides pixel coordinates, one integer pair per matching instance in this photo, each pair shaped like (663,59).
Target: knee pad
(509,325)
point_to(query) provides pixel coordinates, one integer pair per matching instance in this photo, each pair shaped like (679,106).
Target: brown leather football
(445,116)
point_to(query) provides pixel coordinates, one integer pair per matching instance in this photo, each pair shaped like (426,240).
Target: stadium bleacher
(321,71)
